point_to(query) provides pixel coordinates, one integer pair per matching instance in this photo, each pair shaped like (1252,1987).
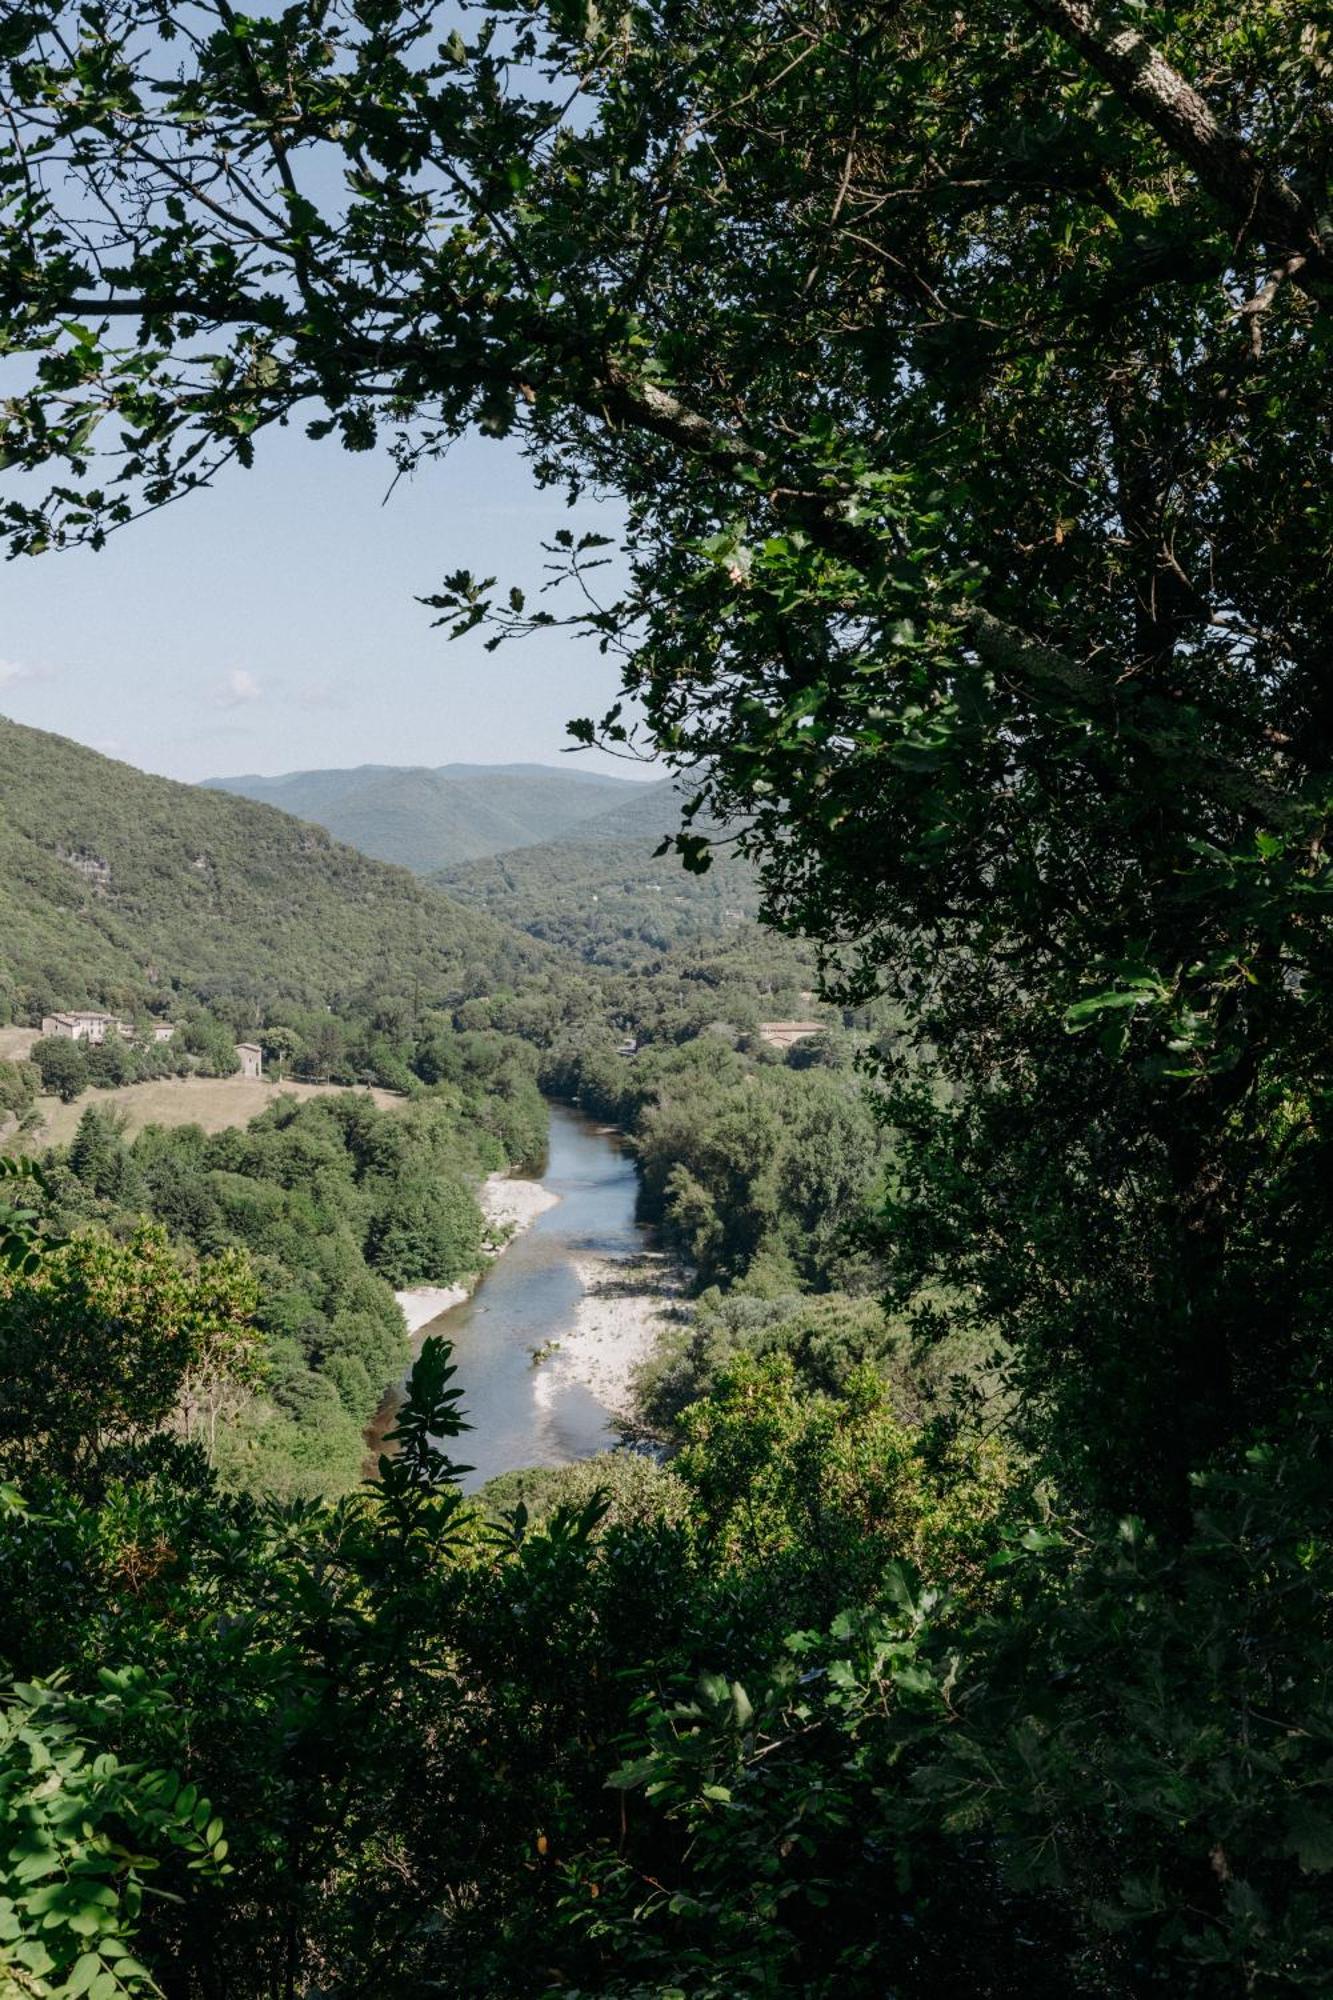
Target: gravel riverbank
(627,1300)
(510,1207)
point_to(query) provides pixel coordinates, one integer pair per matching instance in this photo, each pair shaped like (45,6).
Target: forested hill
(117,888)
(427,819)
(613,901)
(603,892)
(636,815)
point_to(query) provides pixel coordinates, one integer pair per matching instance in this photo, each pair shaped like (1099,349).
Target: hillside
(610,903)
(118,889)
(603,893)
(428,819)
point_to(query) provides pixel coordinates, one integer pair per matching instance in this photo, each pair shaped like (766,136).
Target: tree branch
(1040,667)
(1013,652)
(1228,169)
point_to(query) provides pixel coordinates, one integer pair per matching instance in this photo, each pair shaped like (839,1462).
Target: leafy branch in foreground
(84,1834)
(22,1239)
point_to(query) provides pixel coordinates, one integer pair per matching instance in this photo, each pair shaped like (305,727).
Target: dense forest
(758,1170)
(620,904)
(131,892)
(433,819)
(333,1206)
(962,380)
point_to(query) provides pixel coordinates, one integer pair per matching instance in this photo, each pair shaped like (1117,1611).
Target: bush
(636,1488)
(18,1087)
(82,1832)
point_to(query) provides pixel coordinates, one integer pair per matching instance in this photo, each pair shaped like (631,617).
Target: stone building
(82,1024)
(251,1058)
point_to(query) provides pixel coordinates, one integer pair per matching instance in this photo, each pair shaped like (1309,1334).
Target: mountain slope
(117,888)
(603,893)
(638,818)
(428,819)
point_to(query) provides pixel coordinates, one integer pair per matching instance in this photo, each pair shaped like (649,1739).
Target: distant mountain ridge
(119,889)
(440,771)
(426,818)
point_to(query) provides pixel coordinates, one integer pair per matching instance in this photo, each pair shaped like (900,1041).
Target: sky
(271,624)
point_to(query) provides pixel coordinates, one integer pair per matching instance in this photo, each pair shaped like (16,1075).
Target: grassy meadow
(212,1102)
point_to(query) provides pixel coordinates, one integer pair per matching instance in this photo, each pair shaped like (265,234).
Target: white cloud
(321,693)
(238,688)
(13,673)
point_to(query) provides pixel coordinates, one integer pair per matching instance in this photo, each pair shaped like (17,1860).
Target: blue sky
(271,624)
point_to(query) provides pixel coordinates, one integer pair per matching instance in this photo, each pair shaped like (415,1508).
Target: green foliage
(67,1068)
(18,1087)
(99,1159)
(964,383)
(635,1489)
(963,531)
(83,1834)
(426,1231)
(1111,1749)
(827,1339)
(334,1203)
(1121,1764)
(610,895)
(20,1237)
(100,1344)
(801,1489)
(493,1076)
(418,1472)
(213,1044)
(63,1067)
(756,1172)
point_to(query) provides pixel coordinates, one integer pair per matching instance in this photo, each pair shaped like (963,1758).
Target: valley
(663,1325)
(433,819)
(368,1158)
(550,1339)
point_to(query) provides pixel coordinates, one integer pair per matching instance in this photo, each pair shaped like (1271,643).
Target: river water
(521,1414)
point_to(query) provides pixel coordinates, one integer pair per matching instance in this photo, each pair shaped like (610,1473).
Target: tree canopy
(963,378)
(962,375)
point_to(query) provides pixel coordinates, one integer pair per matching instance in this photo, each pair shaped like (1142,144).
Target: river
(521,1414)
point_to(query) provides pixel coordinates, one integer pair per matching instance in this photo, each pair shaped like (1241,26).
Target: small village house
(251,1058)
(82,1024)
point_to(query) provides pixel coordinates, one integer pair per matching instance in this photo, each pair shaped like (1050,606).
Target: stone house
(85,1024)
(251,1058)
(82,1024)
